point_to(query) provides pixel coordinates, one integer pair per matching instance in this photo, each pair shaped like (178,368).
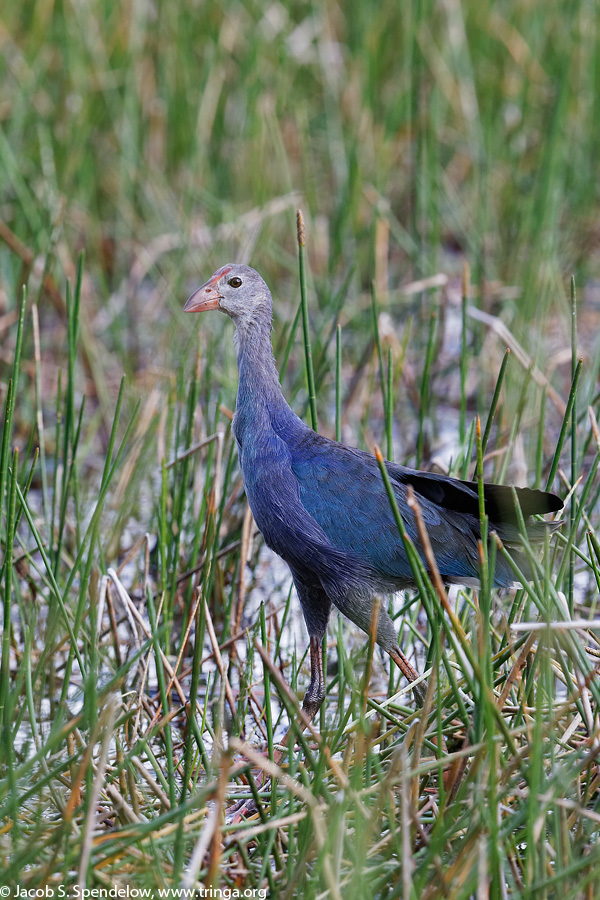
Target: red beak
(206,297)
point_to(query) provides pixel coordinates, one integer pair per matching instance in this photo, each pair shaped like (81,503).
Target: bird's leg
(313,698)
(315,693)
(370,615)
(410,674)
(311,705)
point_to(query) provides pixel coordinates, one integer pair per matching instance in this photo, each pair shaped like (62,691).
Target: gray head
(238,291)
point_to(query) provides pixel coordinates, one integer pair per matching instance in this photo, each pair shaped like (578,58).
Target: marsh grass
(151,652)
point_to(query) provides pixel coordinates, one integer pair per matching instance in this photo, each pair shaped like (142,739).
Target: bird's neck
(259,395)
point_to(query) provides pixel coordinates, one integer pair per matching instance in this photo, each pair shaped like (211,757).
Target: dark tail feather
(463,496)
(500,503)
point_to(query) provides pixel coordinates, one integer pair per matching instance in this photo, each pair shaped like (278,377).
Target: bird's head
(238,291)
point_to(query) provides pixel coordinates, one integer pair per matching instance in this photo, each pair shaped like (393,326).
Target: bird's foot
(420,693)
(247,809)
(240,811)
(260,785)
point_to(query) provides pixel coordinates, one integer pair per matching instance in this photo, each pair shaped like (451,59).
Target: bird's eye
(235,281)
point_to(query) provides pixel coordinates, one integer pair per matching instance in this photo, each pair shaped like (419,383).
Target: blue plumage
(323,507)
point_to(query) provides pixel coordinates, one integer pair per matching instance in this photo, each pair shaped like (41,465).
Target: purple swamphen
(323,507)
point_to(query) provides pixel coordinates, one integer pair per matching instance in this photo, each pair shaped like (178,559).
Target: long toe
(419,693)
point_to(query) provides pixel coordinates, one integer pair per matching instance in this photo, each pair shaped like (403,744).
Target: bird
(323,507)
